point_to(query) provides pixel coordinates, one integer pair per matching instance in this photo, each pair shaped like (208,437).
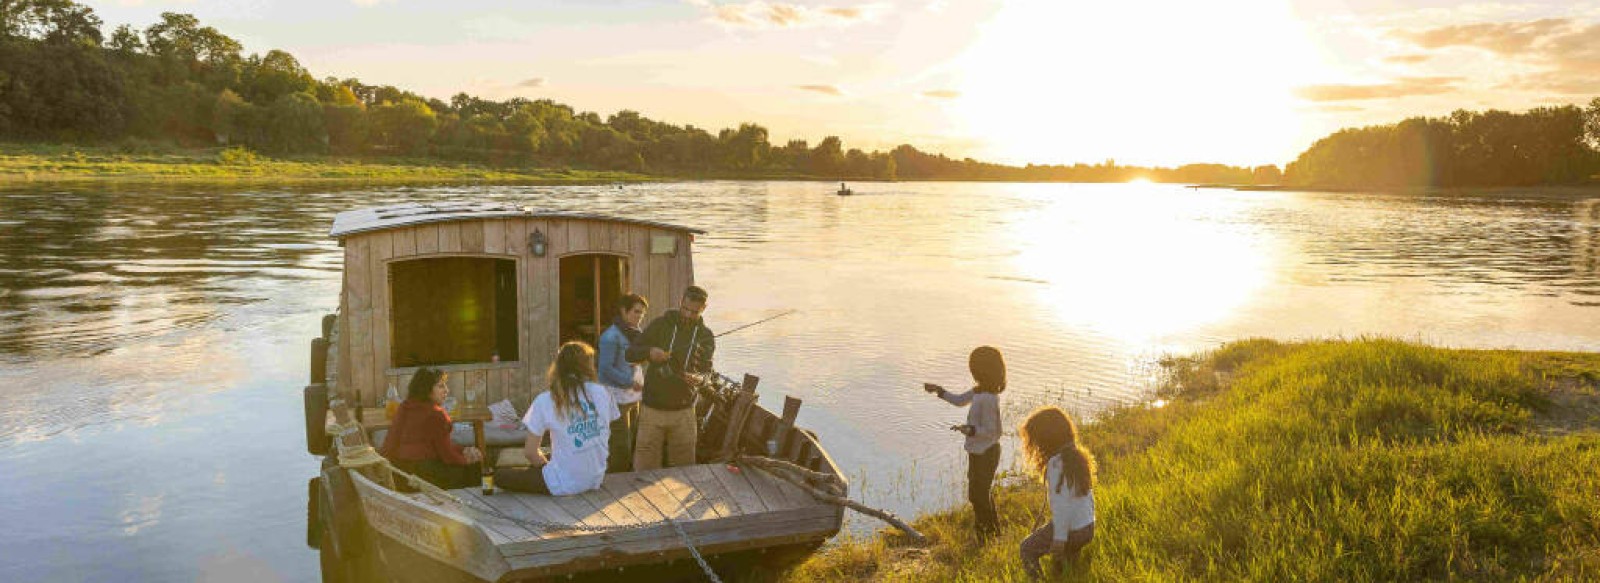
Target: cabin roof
(412,213)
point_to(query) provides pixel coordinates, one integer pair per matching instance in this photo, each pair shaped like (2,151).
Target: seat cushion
(493,436)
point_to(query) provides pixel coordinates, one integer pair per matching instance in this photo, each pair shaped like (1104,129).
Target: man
(677,345)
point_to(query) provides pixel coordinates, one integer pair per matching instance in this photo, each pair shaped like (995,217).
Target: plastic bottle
(391,403)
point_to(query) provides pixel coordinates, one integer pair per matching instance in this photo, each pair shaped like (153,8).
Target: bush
(237,156)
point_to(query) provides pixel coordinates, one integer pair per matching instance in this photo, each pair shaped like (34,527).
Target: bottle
(488,480)
(391,403)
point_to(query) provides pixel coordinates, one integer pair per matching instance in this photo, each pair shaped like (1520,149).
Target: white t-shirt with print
(578,446)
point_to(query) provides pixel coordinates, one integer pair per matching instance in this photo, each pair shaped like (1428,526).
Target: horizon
(1246,84)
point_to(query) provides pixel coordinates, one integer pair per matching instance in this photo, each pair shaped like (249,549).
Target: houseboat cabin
(487,292)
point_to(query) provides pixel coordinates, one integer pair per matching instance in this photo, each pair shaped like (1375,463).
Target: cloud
(1565,52)
(941,94)
(823,89)
(1406,59)
(1402,87)
(1339,108)
(533,83)
(759,14)
(1505,38)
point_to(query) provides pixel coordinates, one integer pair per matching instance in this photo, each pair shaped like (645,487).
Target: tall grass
(1366,460)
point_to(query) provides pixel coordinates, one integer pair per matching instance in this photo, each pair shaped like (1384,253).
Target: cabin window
(452,310)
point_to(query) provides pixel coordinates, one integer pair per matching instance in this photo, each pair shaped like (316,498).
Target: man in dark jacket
(678,345)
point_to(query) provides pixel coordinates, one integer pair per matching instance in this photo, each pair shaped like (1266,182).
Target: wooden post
(785,432)
(737,416)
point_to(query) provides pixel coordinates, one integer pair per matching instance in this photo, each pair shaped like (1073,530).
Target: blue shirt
(614,369)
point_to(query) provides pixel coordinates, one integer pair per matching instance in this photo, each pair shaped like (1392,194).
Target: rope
(804,478)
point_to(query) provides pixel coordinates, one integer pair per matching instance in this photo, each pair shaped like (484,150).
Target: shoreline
(1540,190)
(1402,455)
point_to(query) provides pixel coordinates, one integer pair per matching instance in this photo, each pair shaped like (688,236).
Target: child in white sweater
(1051,449)
(983,433)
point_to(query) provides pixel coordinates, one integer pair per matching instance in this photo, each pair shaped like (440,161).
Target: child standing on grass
(983,433)
(1050,448)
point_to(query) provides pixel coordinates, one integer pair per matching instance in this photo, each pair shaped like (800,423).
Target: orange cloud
(762,14)
(823,89)
(941,94)
(1567,50)
(1402,87)
(1406,59)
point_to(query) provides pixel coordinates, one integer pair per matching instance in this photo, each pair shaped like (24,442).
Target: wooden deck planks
(706,482)
(545,508)
(622,488)
(678,484)
(609,506)
(739,488)
(499,527)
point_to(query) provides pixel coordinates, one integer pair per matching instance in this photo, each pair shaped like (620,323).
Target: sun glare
(1139,269)
(1054,82)
(1139,180)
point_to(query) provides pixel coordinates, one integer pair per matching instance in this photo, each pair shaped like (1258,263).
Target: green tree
(404,127)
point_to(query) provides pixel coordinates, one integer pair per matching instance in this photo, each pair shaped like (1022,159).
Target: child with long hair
(577,413)
(982,429)
(1050,448)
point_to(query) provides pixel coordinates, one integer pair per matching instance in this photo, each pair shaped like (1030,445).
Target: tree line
(63,79)
(1542,146)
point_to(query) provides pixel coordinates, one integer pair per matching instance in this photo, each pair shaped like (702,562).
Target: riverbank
(36,163)
(1553,190)
(1338,460)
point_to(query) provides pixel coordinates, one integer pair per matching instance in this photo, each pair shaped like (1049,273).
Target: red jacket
(421,431)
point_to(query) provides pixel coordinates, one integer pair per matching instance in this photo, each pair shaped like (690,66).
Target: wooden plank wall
(364,338)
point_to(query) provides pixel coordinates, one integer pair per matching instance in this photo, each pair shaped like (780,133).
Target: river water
(153,340)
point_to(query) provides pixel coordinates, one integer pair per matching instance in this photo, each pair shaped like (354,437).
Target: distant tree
(295,125)
(827,159)
(405,126)
(275,75)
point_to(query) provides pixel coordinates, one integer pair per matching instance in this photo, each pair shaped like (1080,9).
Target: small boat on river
(486,292)
(844,190)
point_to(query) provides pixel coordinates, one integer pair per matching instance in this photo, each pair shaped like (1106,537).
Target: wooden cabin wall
(363,353)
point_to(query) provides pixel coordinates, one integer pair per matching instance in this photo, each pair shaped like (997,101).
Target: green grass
(150,162)
(1365,460)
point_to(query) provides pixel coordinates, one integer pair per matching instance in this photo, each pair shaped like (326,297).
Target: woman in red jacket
(419,440)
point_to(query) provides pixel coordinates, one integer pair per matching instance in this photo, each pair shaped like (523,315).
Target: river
(153,340)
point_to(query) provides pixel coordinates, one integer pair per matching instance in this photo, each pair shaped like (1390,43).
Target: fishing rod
(761,321)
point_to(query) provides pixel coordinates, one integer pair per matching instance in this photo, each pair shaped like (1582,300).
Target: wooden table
(477,416)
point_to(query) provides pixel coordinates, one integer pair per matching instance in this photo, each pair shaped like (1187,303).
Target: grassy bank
(25,163)
(1368,460)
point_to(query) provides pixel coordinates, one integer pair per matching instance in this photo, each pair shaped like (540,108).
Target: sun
(1139,180)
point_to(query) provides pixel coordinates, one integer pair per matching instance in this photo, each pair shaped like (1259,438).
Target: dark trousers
(980,479)
(530,480)
(620,459)
(1038,544)
(442,474)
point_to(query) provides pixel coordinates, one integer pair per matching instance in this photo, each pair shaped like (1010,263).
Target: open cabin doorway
(590,285)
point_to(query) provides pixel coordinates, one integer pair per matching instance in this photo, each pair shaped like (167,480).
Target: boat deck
(721,509)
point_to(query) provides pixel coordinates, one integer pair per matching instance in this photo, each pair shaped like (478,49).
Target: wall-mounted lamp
(536,243)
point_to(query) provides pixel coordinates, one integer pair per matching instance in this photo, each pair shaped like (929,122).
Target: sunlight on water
(1163,264)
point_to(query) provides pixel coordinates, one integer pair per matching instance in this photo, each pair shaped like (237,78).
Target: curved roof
(411,213)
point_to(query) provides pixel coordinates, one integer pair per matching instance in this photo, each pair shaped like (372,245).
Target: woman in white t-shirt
(577,413)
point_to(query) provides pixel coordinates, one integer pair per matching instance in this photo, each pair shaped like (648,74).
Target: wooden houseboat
(486,292)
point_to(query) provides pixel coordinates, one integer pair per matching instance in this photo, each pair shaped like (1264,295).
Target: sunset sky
(1047,81)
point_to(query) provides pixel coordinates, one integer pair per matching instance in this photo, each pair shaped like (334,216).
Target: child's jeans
(1038,544)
